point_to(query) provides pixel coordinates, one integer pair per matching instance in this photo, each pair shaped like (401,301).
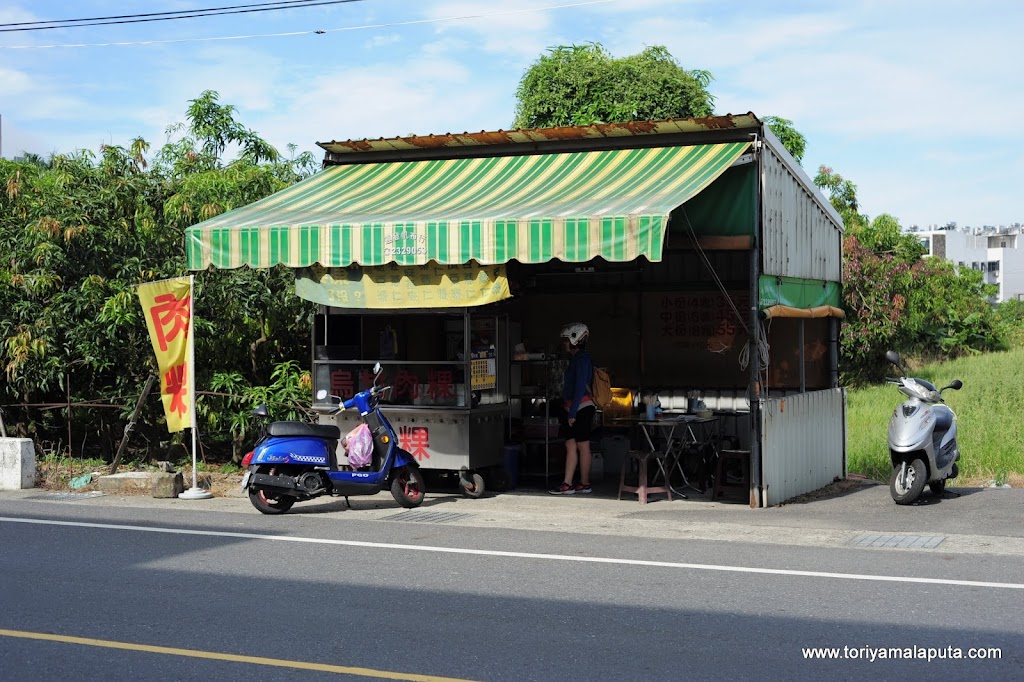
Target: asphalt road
(412,600)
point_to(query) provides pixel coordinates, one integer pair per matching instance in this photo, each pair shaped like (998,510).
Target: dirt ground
(58,476)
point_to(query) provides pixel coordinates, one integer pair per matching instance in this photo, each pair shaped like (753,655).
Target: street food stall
(702,257)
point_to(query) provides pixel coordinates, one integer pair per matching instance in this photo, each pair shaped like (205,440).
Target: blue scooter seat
(302,429)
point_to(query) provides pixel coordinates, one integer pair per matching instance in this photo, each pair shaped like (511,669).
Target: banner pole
(195,492)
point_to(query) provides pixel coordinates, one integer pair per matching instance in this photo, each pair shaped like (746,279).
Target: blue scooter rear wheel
(269,503)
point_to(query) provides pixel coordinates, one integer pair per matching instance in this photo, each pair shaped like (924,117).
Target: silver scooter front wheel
(907,482)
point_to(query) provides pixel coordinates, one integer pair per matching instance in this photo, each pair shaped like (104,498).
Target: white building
(999,256)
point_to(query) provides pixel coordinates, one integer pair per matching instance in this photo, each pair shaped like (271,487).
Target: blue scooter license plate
(245,480)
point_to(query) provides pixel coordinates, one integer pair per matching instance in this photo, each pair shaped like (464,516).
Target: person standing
(579,409)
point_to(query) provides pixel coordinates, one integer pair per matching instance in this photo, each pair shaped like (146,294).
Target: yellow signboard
(483,373)
(416,286)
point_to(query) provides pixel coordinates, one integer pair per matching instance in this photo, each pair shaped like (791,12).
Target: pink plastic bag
(360,446)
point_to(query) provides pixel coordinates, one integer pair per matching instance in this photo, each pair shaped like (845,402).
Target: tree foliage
(843,195)
(896,298)
(583,84)
(791,138)
(81,231)
(575,85)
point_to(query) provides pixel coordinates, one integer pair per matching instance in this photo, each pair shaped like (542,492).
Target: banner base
(195,494)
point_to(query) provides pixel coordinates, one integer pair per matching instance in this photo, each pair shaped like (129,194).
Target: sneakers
(566,489)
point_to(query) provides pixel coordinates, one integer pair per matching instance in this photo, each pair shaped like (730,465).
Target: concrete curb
(976,523)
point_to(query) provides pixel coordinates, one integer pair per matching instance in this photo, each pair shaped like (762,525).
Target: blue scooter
(296,461)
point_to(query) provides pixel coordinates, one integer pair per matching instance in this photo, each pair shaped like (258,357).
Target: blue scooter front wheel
(408,486)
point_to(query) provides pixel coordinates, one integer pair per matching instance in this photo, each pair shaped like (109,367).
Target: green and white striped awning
(571,206)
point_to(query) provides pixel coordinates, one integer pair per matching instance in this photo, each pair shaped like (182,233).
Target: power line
(165,16)
(149,14)
(309,32)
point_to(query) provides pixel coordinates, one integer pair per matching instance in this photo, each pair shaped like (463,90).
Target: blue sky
(915,101)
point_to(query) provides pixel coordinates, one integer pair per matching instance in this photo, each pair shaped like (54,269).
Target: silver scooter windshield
(920,389)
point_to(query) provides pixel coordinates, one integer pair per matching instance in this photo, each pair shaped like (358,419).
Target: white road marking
(528,555)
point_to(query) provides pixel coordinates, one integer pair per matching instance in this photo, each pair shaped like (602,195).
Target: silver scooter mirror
(377,369)
(894,357)
(321,395)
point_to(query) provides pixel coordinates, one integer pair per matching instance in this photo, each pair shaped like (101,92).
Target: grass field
(989,408)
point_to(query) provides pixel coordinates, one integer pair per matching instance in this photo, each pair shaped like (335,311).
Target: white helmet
(576,332)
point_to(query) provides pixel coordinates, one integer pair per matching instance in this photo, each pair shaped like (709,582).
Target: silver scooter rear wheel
(905,489)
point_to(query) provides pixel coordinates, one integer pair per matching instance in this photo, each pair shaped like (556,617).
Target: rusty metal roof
(338,151)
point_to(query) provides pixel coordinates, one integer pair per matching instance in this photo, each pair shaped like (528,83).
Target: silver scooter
(922,437)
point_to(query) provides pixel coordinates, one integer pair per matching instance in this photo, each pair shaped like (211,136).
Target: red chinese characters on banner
(176,380)
(441,384)
(170,317)
(415,440)
(167,308)
(407,385)
(342,384)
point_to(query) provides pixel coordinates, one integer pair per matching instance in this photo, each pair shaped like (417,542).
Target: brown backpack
(601,388)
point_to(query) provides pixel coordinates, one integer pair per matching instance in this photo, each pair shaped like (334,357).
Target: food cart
(447,366)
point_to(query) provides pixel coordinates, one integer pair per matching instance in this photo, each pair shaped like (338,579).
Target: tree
(792,139)
(895,298)
(583,84)
(82,231)
(843,195)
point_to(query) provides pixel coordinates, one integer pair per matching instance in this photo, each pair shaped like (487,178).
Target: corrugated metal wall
(800,238)
(803,443)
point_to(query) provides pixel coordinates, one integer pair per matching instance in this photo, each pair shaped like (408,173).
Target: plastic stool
(642,490)
(726,457)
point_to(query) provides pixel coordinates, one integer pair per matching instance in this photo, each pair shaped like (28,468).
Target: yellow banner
(415,286)
(167,305)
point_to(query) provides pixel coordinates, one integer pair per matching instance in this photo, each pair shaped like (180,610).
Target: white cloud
(383,40)
(244,77)
(15,140)
(910,100)
(14,83)
(12,14)
(425,95)
(521,35)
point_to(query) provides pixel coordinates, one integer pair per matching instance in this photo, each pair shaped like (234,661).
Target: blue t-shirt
(578,376)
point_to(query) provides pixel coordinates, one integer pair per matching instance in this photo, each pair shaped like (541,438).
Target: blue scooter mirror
(321,395)
(377,369)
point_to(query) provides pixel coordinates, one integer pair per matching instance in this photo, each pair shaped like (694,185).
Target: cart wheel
(472,485)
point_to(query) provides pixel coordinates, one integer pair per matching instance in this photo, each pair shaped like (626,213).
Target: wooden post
(131,421)
(67,385)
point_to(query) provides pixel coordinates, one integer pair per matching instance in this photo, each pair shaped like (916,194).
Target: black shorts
(581,428)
